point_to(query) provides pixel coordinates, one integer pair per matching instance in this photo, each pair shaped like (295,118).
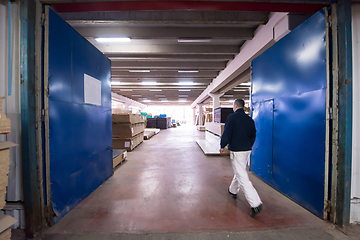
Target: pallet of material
(128,118)
(201,128)
(127,130)
(6,222)
(4,169)
(128,144)
(148,134)
(119,156)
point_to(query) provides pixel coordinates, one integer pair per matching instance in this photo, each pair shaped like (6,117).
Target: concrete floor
(168,189)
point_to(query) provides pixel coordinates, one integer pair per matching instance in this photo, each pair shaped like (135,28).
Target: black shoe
(256,211)
(234,196)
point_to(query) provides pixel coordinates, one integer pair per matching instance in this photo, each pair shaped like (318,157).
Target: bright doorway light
(112,40)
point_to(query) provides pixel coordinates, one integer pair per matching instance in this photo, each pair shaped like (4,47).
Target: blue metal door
(263,115)
(79,112)
(293,73)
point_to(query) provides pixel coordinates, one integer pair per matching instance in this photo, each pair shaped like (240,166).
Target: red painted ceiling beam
(187,5)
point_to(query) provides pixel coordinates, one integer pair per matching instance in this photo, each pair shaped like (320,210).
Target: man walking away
(239,134)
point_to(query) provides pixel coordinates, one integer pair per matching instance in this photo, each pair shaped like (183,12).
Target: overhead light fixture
(231,101)
(241,90)
(162,98)
(193,40)
(228,95)
(246,84)
(113,40)
(143,98)
(183,95)
(164,101)
(147,101)
(155,90)
(159,95)
(138,70)
(115,83)
(184,90)
(182,100)
(136,95)
(186,83)
(126,90)
(149,83)
(188,71)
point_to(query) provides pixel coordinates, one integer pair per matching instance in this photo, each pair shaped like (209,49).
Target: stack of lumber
(5,221)
(5,123)
(149,132)
(128,130)
(119,156)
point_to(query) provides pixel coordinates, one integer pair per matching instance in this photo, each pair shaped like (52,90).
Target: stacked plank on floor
(6,221)
(128,130)
(211,144)
(150,132)
(119,156)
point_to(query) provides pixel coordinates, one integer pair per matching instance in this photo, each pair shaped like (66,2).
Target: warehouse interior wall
(355,178)
(10,89)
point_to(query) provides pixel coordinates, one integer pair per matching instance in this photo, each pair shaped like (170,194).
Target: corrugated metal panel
(80,134)
(293,73)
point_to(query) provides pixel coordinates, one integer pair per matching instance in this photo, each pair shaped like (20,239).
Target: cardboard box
(6,235)
(127,130)
(4,169)
(128,118)
(128,144)
(5,123)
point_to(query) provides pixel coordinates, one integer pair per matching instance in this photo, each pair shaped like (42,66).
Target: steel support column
(32,199)
(343,192)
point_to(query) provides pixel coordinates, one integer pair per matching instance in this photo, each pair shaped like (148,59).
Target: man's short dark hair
(240,103)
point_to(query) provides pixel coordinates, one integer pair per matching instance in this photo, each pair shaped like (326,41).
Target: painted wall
(355,178)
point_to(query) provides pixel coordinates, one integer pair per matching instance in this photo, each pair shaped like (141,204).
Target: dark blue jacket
(239,132)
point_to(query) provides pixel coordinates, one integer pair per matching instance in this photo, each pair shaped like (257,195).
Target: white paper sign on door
(92,90)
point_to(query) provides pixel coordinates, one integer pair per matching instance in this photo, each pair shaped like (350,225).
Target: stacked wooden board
(6,221)
(211,144)
(150,132)
(128,130)
(5,123)
(119,156)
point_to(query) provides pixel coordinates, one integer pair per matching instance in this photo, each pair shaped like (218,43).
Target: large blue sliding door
(293,74)
(80,132)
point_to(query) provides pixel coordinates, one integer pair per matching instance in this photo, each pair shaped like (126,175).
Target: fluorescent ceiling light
(136,95)
(147,101)
(155,90)
(186,83)
(182,100)
(241,90)
(193,40)
(142,98)
(188,71)
(164,101)
(113,40)
(115,83)
(126,90)
(149,83)
(159,95)
(228,95)
(231,101)
(162,98)
(184,90)
(183,95)
(138,70)
(246,84)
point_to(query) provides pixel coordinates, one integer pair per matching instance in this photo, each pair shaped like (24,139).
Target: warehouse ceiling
(165,56)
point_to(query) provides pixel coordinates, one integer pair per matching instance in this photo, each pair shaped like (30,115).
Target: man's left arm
(226,136)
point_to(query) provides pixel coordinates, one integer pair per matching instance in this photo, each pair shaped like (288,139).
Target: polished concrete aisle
(168,185)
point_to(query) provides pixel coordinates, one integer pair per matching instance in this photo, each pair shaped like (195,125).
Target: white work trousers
(241,179)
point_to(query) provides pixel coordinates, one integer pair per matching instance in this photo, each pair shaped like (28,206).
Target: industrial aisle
(168,185)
